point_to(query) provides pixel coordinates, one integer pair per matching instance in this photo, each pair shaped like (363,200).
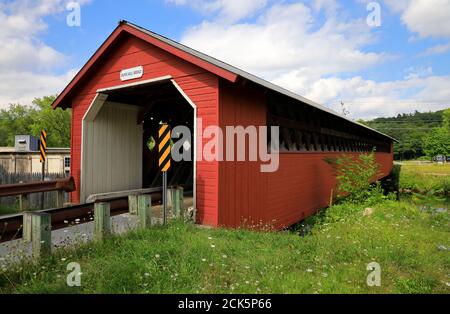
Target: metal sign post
(164,161)
(164,196)
(43,158)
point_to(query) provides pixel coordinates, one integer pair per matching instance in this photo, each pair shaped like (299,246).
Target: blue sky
(322,49)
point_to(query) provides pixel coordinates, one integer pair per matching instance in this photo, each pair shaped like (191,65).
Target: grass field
(329,253)
(425,178)
(181,258)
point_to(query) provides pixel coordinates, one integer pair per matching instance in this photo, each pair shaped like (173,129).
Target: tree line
(420,134)
(31,119)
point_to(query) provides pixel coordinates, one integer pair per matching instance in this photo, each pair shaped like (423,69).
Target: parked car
(440,158)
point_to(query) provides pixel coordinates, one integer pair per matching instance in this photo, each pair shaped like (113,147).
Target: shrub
(357,179)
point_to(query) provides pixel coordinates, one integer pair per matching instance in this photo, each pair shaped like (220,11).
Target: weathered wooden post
(177,202)
(172,201)
(133,204)
(102,221)
(41,235)
(145,210)
(169,197)
(60,199)
(23,202)
(27,226)
(181,201)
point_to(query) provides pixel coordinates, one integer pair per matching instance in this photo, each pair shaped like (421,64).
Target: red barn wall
(199,85)
(300,187)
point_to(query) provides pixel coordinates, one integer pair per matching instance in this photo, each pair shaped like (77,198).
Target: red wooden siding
(303,185)
(242,187)
(199,85)
(300,187)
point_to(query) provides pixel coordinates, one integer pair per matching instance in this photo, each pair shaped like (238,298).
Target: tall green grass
(330,258)
(327,253)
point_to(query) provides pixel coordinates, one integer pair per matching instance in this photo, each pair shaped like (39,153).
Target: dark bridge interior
(160,103)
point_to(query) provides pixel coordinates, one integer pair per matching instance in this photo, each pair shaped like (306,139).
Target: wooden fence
(35,200)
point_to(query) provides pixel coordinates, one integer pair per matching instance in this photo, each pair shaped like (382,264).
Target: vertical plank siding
(113,150)
(243,188)
(301,186)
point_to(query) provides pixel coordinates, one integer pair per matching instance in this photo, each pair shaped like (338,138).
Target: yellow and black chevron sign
(43,146)
(164,147)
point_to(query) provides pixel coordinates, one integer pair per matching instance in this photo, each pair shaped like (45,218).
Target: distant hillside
(408,129)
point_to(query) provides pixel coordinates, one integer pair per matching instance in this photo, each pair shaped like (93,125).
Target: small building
(137,79)
(24,157)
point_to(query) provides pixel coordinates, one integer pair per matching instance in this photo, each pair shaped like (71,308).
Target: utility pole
(345,112)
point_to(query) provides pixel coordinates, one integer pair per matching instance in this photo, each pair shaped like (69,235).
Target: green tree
(15,120)
(410,130)
(446,117)
(55,122)
(23,120)
(355,176)
(437,142)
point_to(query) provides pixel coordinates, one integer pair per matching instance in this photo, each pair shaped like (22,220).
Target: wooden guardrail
(24,189)
(36,227)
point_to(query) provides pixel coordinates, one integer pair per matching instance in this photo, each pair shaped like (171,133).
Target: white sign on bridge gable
(133,73)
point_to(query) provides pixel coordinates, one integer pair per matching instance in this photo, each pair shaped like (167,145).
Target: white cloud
(24,86)
(398,6)
(427,18)
(22,54)
(27,64)
(435,50)
(418,72)
(287,46)
(420,90)
(227,10)
(286,37)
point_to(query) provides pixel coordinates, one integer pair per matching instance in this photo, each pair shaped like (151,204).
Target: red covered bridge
(138,78)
